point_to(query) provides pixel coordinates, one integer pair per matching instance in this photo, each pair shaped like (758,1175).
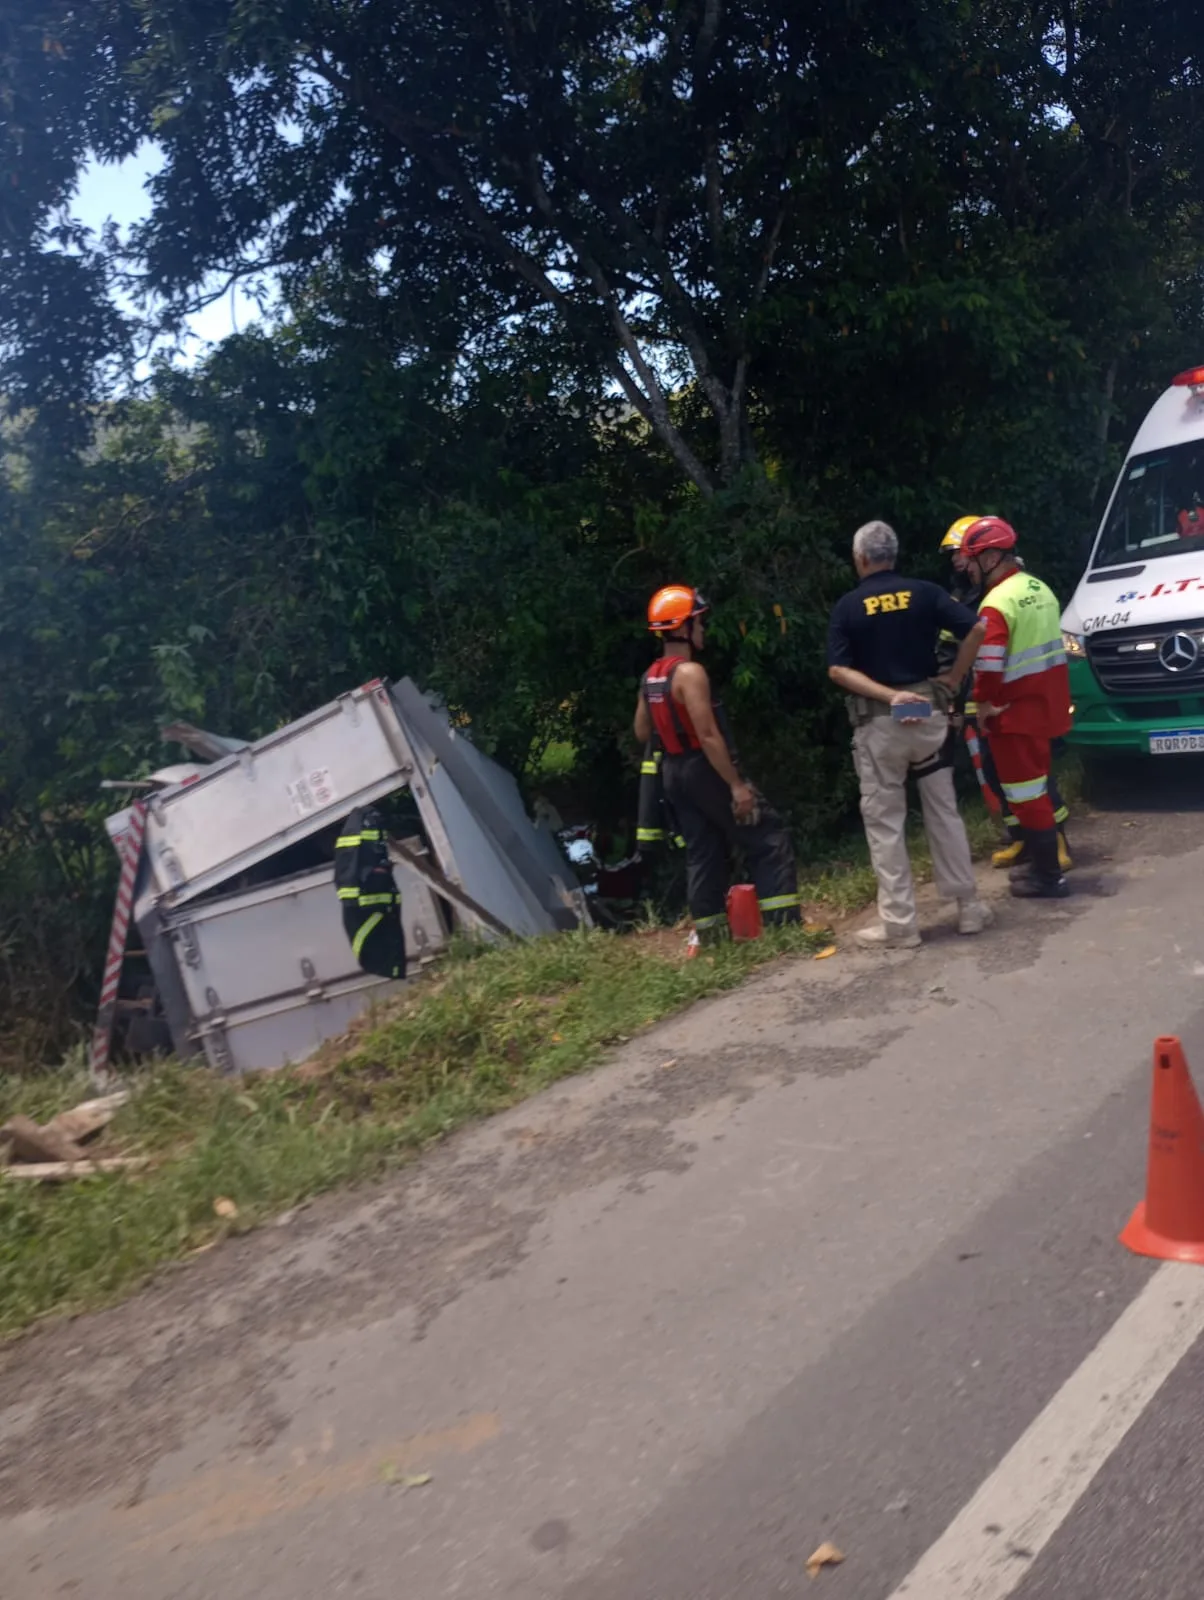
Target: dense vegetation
(574,297)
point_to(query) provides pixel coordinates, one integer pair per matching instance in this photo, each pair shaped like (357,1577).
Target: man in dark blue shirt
(882,651)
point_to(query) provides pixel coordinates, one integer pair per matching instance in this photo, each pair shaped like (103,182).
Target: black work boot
(1043,880)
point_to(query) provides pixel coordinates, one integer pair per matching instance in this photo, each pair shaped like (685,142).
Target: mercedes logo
(1179,653)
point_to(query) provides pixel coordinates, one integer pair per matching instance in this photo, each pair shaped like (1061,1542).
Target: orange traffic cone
(1169,1222)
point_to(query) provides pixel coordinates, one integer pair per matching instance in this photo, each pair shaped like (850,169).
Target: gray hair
(877,544)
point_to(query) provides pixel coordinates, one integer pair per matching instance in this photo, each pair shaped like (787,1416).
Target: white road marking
(989,1547)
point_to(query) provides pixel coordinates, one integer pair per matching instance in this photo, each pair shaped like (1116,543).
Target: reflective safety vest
(674,730)
(363,876)
(1022,662)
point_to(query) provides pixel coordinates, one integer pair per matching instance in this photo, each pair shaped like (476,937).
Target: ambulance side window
(1159,503)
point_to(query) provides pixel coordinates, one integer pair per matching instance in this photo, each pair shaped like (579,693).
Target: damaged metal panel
(272,952)
(227,965)
(282,789)
(356,750)
(286,1029)
(512,867)
(249,955)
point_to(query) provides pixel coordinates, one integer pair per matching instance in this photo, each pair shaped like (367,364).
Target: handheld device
(910,710)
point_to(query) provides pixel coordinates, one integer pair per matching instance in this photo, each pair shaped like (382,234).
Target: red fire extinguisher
(743,912)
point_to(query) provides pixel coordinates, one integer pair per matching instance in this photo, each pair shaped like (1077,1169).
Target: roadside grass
(492,1027)
(1072,778)
(487,1028)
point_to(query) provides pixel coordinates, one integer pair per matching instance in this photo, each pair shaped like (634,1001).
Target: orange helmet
(672,607)
(988,533)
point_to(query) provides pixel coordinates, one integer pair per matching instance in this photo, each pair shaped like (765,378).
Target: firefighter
(1014,853)
(1022,692)
(367,890)
(714,808)
(961,588)
(882,640)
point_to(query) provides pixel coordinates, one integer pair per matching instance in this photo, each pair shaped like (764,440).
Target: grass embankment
(488,1031)
(492,1027)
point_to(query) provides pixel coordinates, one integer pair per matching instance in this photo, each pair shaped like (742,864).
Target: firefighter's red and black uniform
(368,895)
(700,805)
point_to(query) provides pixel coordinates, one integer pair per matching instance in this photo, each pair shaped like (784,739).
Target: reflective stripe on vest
(1034,621)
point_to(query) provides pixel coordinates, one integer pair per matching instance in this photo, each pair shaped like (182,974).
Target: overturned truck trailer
(234,900)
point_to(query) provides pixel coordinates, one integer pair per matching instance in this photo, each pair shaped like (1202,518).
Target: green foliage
(663,186)
(578,299)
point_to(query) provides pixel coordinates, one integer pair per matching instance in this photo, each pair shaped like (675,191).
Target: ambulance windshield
(1158,509)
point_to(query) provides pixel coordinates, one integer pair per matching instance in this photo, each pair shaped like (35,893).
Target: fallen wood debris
(28,1142)
(442,885)
(88,1118)
(56,1150)
(52,1171)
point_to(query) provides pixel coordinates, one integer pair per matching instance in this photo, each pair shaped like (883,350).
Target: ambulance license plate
(1176,741)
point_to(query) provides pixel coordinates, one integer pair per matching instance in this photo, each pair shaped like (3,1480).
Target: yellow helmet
(957,532)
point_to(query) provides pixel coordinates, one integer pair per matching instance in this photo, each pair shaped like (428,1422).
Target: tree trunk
(1105,418)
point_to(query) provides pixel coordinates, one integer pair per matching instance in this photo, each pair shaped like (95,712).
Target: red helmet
(988,533)
(672,607)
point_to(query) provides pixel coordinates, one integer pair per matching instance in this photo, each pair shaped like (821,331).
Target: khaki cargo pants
(884,751)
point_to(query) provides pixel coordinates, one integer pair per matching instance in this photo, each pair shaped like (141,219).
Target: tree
(628,169)
(57,311)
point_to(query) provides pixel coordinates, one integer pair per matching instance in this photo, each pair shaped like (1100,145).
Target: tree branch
(714,196)
(655,395)
(409,132)
(707,34)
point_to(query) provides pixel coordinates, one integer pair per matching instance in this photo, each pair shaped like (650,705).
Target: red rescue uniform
(1021,669)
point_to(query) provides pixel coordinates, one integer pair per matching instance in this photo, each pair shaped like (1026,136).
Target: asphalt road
(833,1258)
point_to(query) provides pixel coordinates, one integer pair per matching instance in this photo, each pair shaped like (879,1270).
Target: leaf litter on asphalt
(826,1556)
(391,1475)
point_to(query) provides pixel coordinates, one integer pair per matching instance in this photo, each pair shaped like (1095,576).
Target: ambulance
(1134,629)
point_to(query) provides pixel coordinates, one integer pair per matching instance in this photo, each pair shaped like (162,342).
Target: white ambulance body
(1134,628)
